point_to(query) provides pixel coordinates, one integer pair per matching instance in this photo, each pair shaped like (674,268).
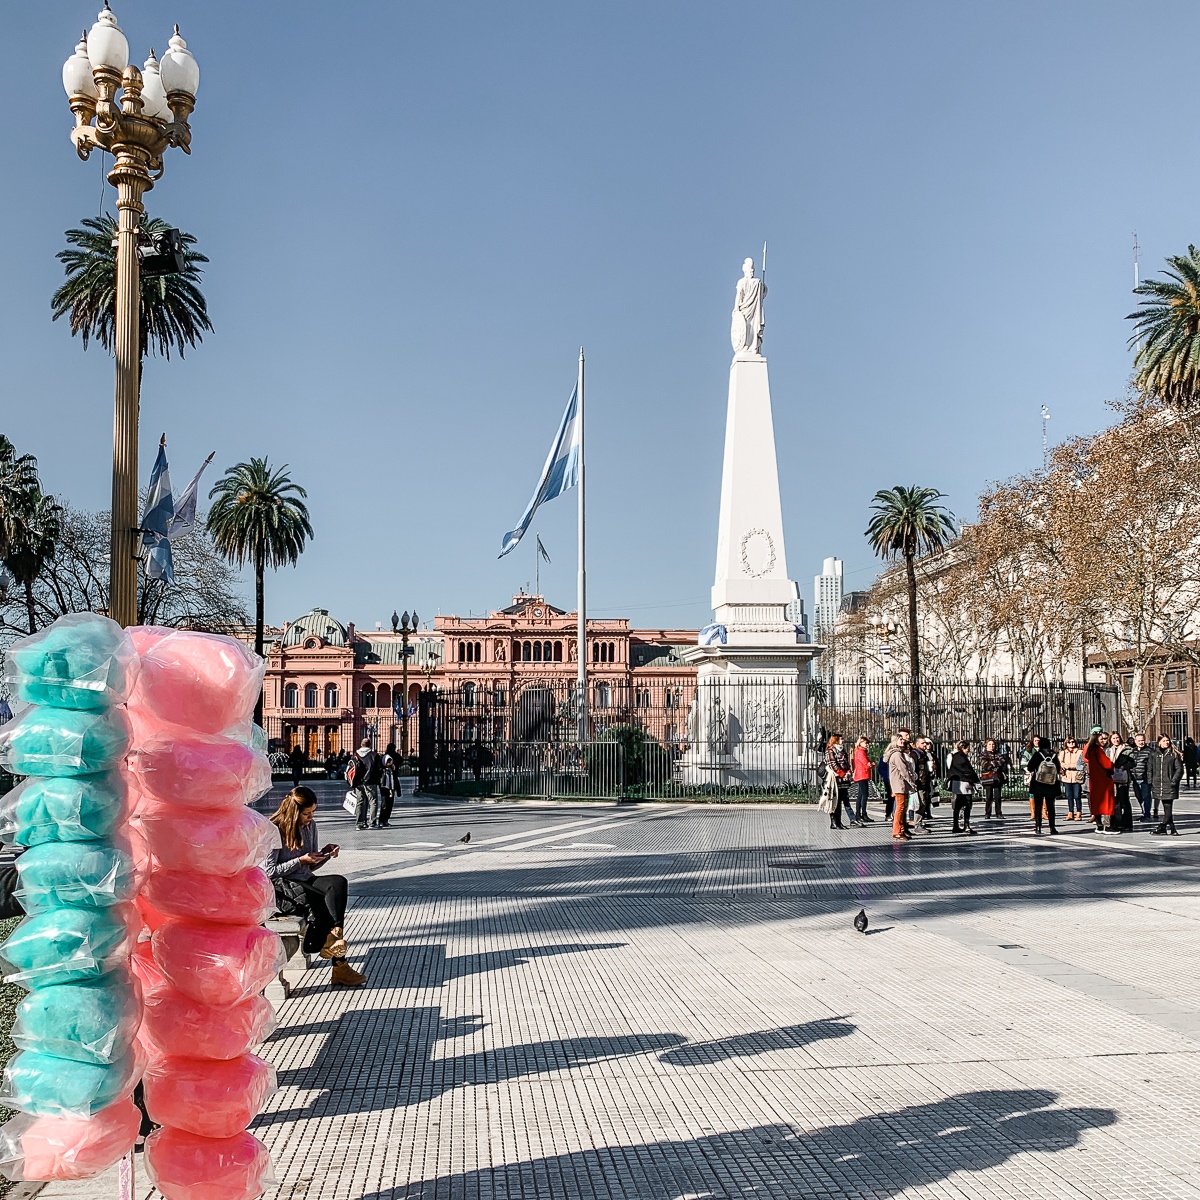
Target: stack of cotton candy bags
(196,766)
(78,1057)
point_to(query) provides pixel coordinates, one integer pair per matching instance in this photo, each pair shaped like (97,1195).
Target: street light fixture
(401,625)
(150,115)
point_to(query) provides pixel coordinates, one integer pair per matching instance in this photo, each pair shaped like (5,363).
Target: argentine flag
(560,472)
(157,518)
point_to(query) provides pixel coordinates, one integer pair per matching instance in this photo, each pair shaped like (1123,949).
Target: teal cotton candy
(86,1022)
(58,1087)
(82,661)
(87,874)
(64,741)
(65,945)
(82,808)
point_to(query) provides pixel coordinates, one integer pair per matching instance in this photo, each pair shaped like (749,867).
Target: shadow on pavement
(880,1155)
(746,1045)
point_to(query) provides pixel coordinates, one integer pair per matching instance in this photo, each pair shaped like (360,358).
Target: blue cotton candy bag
(59,1087)
(92,1022)
(82,661)
(79,808)
(83,874)
(66,944)
(64,741)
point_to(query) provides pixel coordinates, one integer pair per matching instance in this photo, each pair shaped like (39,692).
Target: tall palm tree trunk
(29,609)
(259,571)
(914,645)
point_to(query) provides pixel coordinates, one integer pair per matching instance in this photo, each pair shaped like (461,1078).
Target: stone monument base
(748,727)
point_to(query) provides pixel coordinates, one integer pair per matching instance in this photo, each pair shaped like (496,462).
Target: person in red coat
(1101,796)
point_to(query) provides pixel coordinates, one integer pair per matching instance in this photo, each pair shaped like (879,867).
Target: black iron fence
(717,739)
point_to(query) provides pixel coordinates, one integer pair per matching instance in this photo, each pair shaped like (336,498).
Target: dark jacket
(993,768)
(924,768)
(961,769)
(1141,762)
(1043,791)
(1165,772)
(369,769)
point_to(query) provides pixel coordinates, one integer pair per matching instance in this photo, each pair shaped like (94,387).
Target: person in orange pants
(902,779)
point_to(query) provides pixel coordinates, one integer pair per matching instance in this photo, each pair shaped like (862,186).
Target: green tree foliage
(907,522)
(259,516)
(1167,332)
(174,314)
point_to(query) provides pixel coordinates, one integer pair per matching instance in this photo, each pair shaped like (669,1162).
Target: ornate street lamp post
(151,114)
(401,625)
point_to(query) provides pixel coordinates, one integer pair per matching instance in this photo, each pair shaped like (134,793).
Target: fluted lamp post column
(402,626)
(136,128)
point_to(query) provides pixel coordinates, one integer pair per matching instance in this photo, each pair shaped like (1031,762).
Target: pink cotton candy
(242,899)
(200,771)
(208,1098)
(202,681)
(150,915)
(217,964)
(177,1024)
(186,1167)
(210,843)
(59,1148)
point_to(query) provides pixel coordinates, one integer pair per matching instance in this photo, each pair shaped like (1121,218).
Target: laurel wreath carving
(770,563)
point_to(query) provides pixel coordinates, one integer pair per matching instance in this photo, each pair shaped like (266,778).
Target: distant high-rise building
(827,599)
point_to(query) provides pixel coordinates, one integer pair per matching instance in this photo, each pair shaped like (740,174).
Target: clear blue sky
(416,214)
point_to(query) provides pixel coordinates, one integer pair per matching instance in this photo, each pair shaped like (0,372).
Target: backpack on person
(1047,773)
(352,775)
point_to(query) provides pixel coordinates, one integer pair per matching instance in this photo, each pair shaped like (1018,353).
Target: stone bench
(291,974)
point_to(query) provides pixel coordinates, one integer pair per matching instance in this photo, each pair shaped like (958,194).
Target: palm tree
(38,527)
(18,474)
(1167,332)
(259,516)
(173,310)
(908,521)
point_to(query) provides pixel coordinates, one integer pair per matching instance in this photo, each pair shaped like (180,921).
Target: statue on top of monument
(748,322)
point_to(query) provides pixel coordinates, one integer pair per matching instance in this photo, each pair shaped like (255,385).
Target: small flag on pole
(560,472)
(185,508)
(157,518)
(541,548)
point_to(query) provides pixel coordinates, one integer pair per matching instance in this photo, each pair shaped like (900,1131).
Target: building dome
(317,623)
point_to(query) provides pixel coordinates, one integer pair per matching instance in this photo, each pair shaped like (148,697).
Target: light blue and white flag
(157,518)
(712,635)
(184,520)
(560,472)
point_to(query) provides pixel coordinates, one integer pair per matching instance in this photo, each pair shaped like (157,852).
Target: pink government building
(328,685)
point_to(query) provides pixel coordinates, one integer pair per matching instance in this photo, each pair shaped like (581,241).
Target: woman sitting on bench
(299,892)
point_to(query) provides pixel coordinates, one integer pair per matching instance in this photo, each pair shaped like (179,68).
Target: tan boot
(344,975)
(335,945)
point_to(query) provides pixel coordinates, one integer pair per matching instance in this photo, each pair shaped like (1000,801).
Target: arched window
(595,652)
(547,651)
(516,652)
(537,651)
(368,695)
(479,652)
(612,651)
(468,695)
(291,696)
(558,651)
(462,651)
(385,696)
(310,695)
(331,695)
(526,652)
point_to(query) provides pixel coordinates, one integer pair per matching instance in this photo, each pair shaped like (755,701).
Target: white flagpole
(581,637)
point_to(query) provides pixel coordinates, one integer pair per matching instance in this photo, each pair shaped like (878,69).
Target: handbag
(350,804)
(962,787)
(290,898)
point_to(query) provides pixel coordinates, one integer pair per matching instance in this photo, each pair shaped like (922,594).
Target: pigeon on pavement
(860,922)
(466,837)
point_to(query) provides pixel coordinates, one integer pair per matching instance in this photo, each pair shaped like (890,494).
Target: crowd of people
(1123,781)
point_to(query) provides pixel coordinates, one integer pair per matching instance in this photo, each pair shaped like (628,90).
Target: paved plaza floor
(668,1002)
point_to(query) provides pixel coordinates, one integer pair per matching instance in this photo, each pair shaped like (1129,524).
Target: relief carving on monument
(758,553)
(762,718)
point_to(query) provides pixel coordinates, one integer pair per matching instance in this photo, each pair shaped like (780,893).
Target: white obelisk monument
(748,723)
